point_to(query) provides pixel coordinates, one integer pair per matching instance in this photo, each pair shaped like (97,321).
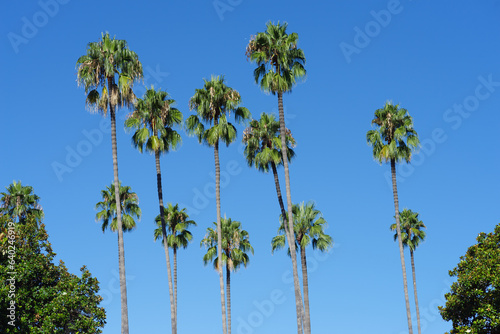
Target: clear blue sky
(439,60)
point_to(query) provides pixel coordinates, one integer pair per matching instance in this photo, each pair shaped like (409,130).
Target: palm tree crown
(263,143)
(279,62)
(154,117)
(235,245)
(394,137)
(104,61)
(177,222)
(411,229)
(129,204)
(19,202)
(213,104)
(309,227)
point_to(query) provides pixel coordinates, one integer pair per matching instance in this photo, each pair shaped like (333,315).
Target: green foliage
(48,299)
(213,104)
(177,223)
(235,245)
(153,119)
(394,137)
(411,233)
(308,225)
(263,143)
(279,62)
(129,204)
(19,201)
(473,305)
(104,61)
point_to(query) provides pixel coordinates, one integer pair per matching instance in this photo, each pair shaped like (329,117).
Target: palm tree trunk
(175,283)
(219,234)
(228,296)
(305,287)
(121,248)
(165,245)
(280,197)
(290,236)
(400,243)
(415,289)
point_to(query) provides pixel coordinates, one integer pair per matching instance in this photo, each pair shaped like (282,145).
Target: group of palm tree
(108,71)
(393,140)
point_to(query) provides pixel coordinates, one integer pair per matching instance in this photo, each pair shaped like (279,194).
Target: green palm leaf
(107,209)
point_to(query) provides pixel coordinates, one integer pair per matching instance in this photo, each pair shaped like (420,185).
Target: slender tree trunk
(415,289)
(305,287)
(165,245)
(400,243)
(228,296)
(175,283)
(121,248)
(280,197)
(290,236)
(219,234)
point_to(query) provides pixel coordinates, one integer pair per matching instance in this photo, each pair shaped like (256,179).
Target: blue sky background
(434,58)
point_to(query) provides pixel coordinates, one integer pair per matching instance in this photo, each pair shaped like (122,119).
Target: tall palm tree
(153,118)
(235,248)
(129,202)
(279,64)
(178,235)
(394,140)
(19,201)
(108,71)
(309,227)
(263,148)
(411,235)
(213,104)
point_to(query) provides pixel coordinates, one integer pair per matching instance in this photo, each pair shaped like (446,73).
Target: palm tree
(263,148)
(19,201)
(178,235)
(213,104)
(279,64)
(235,246)
(107,71)
(411,235)
(153,118)
(393,141)
(129,202)
(308,227)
